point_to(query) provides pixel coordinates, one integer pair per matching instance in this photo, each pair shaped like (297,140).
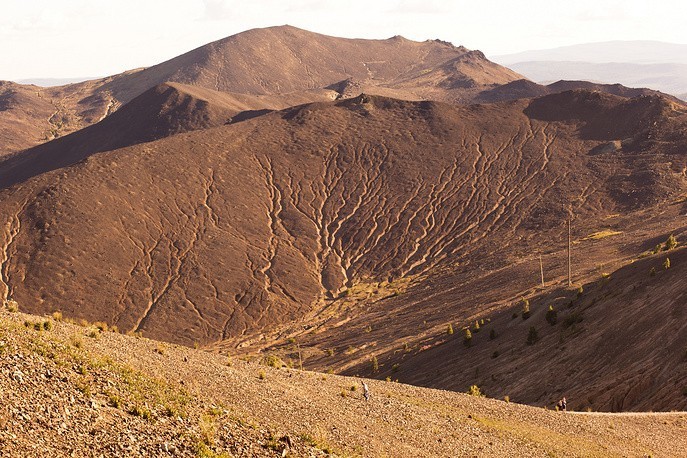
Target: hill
(321,221)
(24,117)
(285,59)
(631,51)
(656,65)
(164,110)
(71,390)
(284,62)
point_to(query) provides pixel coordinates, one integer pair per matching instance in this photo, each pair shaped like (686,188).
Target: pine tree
(467,338)
(525,309)
(552,316)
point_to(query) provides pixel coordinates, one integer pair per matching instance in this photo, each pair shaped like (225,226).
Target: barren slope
(24,117)
(334,216)
(296,65)
(285,59)
(69,390)
(162,111)
(620,345)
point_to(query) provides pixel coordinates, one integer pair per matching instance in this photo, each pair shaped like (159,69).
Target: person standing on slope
(562,405)
(366,391)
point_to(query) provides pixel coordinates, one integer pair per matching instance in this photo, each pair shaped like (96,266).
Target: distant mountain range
(657,65)
(50,82)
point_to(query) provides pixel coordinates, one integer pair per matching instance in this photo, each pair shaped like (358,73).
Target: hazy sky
(66,38)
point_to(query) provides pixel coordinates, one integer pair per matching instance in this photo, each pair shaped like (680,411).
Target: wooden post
(541,270)
(569,255)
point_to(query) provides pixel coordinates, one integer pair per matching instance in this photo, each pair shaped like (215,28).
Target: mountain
(284,62)
(278,60)
(359,214)
(656,65)
(635,52)
(323,220)
(51,82)
(73,390)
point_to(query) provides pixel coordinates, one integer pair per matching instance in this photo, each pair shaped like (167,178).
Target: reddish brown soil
(358,225)
(225,234)
(295,65)
(282,66)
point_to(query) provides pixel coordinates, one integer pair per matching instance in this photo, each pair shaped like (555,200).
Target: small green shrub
(114,401)
(476,328)
(273,361)
(395,367)
(81,369)
(375,364)
(449,330)
(666,264)
(12,306)
(671,242)
(580,291)
(141,411)
(475,391)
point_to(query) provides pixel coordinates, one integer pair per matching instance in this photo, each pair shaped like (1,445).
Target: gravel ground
(76,391)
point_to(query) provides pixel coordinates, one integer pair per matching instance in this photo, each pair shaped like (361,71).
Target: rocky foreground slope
(69,390)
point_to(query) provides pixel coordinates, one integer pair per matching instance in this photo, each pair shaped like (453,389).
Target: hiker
(562,405)
(366,391)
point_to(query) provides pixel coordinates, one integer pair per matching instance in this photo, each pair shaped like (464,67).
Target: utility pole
(541,270)
(300,359)
(569,255)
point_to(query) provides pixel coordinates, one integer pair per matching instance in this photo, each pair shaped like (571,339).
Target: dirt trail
(631,414)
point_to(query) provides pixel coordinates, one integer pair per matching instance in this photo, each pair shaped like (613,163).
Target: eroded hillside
(216,234)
